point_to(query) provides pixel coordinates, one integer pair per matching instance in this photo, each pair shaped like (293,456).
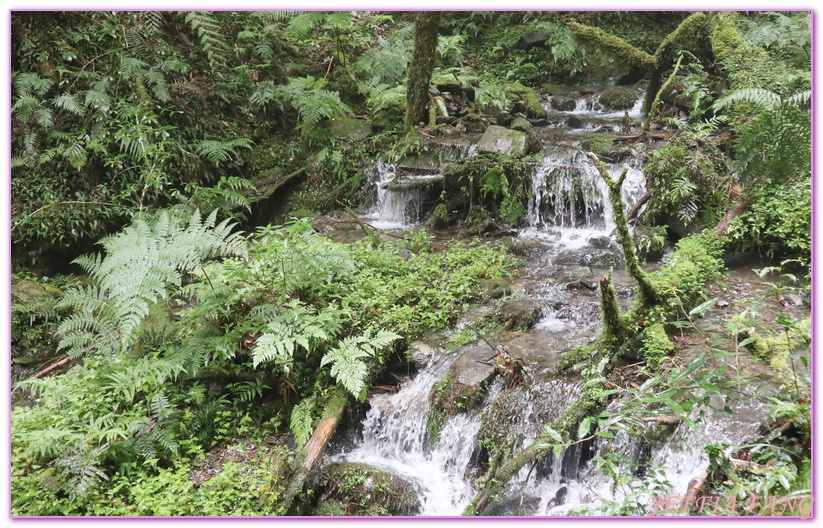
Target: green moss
(361,490)
(618,97)
(693,265)
(615,46)
(448,398)
(656,345)
(532,102)
(774,351)
(598,143)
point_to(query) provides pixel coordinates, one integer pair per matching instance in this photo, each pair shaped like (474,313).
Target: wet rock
(564,104)
(574,122)
(471,375)
(349,128)
(543,122)
(792,300)
(521,124)
(600,242)
(360,489)
(519,314)
(577,274)
(582,285)
(475,125)
(618,97)
(538,38)
(408,183)
(499,140)
(592,257)
(421,353)
(559,497)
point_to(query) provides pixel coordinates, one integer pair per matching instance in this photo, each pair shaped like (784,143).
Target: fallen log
(310,454)
(738,209)
(46,370)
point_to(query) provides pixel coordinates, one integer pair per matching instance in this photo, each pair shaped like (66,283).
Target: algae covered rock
(618,97)
(499,140)
(359,489)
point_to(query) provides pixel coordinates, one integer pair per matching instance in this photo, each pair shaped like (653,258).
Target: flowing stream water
(568,213)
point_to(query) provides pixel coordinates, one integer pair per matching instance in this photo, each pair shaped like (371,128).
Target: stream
(568,227)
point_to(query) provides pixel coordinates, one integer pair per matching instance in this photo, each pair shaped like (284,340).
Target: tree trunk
(738,209)
(420,69)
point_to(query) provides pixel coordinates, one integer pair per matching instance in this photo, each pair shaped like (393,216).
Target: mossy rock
(598,143)
(529,98)
(362,490)
(521,124)
(564,104)
(480,221)
(440,218)
(618,97)
(499,140)
(519,314)
(30,293)
(349,128)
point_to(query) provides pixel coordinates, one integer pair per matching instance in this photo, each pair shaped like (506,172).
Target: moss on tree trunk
(420,70)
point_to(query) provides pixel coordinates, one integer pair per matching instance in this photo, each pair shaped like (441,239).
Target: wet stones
(564,104)
(421,353)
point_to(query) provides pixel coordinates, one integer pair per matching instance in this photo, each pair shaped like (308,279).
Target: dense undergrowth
(187,334)
(191,336)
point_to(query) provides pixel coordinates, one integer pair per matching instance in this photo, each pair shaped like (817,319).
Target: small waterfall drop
(395,440)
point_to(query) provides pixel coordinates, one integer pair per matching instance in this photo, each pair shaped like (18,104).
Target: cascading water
(569,211)
(397,208)
(395,440)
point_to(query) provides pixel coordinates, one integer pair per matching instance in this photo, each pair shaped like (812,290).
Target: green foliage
(141,264)
(687,271)
(208,32)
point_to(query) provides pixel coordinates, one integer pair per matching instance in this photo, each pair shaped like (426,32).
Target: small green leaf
(583,430)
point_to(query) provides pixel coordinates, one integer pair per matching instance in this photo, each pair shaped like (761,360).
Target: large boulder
(499,140)
(519,314)
(360,489)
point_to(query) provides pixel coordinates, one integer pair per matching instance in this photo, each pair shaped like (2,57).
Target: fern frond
(302,421)
(69,103)
(154,21)
(346,359)
(222,151)
(756,96)
(142,262)
(208,32)
(301,25)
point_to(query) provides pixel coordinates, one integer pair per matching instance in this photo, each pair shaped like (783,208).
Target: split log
(723,226)
(695,486)
(311,452)
(647,291)
(632,214)
(370,233)
(653,108)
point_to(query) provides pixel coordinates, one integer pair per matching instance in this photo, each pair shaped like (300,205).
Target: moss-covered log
(614,46)
(653,108)
(648,293)
(420,69)
(691,30)
(306,460)
(565,424)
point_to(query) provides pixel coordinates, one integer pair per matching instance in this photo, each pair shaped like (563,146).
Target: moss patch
(529,98)
(598,143)
(618,97)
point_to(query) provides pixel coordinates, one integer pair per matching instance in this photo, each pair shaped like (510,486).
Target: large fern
(208,32)
(141,264)
(347,359)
